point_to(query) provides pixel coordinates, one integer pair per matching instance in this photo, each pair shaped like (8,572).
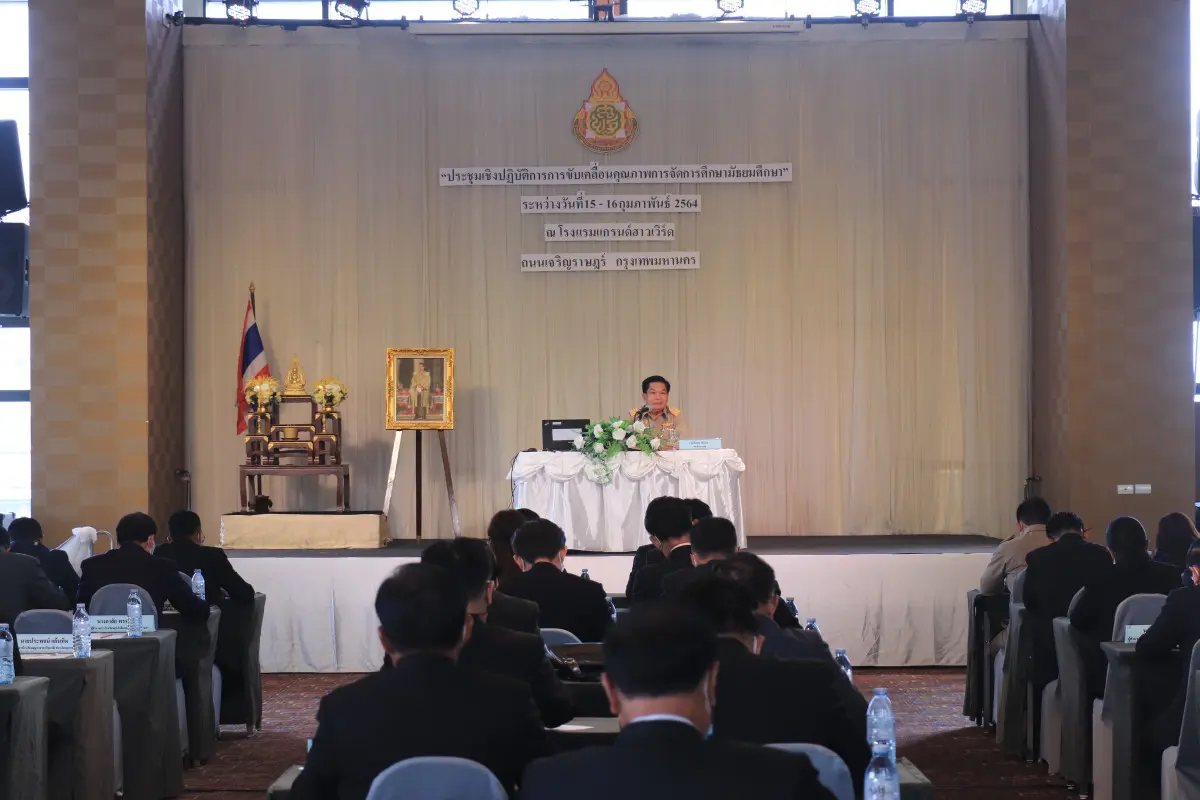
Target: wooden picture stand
(418,483)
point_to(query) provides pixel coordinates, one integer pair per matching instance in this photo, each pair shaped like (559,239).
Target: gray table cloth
(23,739)
(144,688)
(79,712)
(195,651)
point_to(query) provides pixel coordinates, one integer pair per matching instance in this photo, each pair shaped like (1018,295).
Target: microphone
(643,411)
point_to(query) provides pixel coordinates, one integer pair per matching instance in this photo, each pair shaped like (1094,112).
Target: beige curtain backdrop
(859,335)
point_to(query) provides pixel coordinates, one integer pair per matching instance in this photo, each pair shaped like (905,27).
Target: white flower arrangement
(262,392)
(329,392)
(602,441)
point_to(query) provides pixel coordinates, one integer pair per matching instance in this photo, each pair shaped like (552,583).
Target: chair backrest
(436,778)
(1018,588)
(1139,609)
(1188,760)
(43,620)
(557,636)
(831,769)
(1076,705)
(1074,602)
(111,600)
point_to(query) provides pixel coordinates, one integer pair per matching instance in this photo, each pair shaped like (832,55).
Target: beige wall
(1111,258)
(106,268)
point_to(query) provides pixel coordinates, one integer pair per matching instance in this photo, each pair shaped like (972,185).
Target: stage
(889,601)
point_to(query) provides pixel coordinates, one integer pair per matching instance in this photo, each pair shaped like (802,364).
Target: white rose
(618,424)
(578,442)
(631,443)
(655,444)
(639,427)
(598,448)
(598,431)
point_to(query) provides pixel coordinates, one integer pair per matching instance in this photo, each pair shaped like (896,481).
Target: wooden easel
(387,496)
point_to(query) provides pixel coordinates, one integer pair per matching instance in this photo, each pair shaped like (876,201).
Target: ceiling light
(730,6)
(972,7)
(466,8)
(241,11)
(868,8)
(351,9)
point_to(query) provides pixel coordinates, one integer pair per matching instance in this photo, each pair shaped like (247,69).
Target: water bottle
(584,574)
(7,671)
(81,630)
(843,661)
(882,781)
(612,609)
(811,625)
(881,724)
(198,584)
(791,604)
(133,615)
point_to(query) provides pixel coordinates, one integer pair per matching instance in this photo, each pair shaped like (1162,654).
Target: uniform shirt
(671,419)
(1009,558)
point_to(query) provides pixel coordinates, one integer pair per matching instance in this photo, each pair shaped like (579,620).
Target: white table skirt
(609,518)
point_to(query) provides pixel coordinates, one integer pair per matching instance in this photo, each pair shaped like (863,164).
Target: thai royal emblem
(605,123)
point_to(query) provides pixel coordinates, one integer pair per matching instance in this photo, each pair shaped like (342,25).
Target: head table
(608,516)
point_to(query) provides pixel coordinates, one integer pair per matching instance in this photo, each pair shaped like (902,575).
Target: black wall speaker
(12,177)
(14,269)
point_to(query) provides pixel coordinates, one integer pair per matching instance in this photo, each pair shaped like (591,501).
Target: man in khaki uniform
(419,391)
(666,422)
(1009,558)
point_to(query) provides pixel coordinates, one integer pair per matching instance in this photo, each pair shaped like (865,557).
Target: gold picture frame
(409,408)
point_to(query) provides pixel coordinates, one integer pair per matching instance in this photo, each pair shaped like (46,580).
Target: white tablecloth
(608,518)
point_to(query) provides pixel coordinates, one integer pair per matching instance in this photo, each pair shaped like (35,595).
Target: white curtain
(859,335)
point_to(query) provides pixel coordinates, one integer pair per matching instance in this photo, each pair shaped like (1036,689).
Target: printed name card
(1134,632)
(117,623)
(56,644)
(699,444)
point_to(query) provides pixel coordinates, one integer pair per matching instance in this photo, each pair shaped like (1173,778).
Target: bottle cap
(881,692)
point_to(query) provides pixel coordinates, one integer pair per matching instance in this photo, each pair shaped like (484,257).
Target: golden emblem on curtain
(605,123)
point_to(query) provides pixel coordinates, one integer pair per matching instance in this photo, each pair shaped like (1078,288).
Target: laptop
(558,435)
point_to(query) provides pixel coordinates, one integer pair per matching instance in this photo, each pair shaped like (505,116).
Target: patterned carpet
(960,759)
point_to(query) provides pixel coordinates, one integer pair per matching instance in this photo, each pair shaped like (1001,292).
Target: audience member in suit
(24,587)
(698,509)
(564,600)
(1175,536)
(669,520)
(1133,573)
(660,678)
(25,534)
(529,514)
(1176,630)
(521,656)
(186,548)
(506,611)
(1009,558)
(763,699)
(712,540)
(652,553)
(1053,576)
(757,577)
(429,704)
(500,533)
(134,562)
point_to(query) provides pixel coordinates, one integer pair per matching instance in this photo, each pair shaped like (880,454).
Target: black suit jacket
(426,706)
(1177,627)
(649,582)
(657,760)
(765,700)
(1097,608)
(674,582)
(514,613)
(791,643)
(564,600)
(644,556)
(220,578)
(54,562)
(521,656)
(24,587)
(129,563)
(1053,574)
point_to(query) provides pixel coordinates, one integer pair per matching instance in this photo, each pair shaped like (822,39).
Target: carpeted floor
(961,760)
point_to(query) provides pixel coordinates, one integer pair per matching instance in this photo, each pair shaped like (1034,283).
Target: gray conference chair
(831,769)
(436,778)
(1181,764)
(552,637)
(218,682)
(1012,675)
(1076,727)
(1052,714)
(43,620)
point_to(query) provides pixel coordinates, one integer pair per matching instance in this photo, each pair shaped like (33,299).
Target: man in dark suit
(652,553)
(428,705)
(669,520)
(1053,575)
(1134,572)
(134,562)
(521,656)
(1177,629)
(757,577)
(24,585)
(564,600)
(507,611)
(186,548)
(712,540)
(660,671)
(25,534)
(764,700)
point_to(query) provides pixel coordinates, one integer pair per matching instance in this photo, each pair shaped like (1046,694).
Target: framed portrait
(420,389)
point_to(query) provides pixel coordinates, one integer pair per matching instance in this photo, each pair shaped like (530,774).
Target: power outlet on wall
(1141,488)
(1124,488)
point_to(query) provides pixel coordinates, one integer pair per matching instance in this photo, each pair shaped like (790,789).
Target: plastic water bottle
(7,671)
(881,724)
(791,604)
(198,584)
(584,574)
(81,630)
(612,609)
(843,661)
(882,781)
(811,625)
(133,616)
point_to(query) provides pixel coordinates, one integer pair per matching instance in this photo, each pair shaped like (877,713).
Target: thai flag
(252,361)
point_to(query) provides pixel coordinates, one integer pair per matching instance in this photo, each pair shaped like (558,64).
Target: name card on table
(1134,632)
(55,644)
(699,444)
(117,623)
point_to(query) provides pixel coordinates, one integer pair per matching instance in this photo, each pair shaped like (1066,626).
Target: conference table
(607,516)
(23,738)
